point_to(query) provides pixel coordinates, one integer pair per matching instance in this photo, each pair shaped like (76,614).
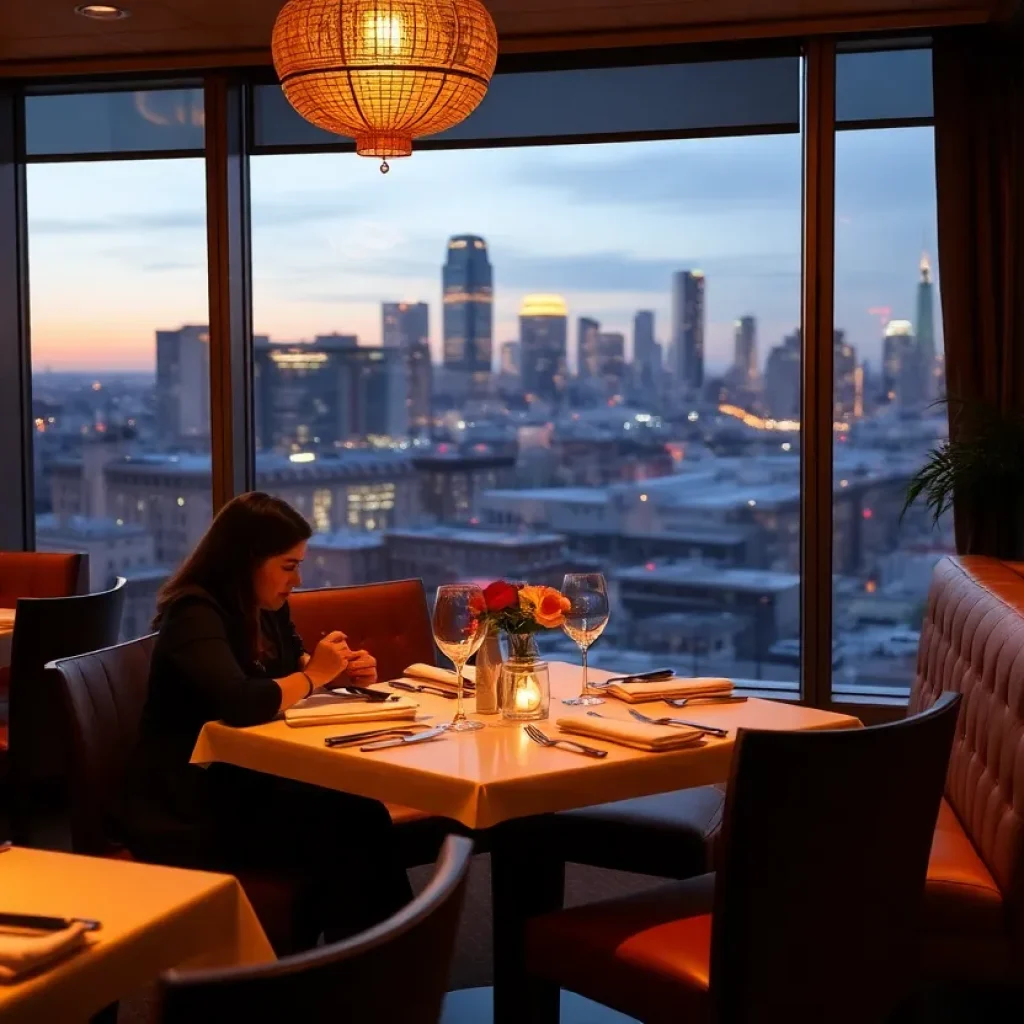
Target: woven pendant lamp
(384,71)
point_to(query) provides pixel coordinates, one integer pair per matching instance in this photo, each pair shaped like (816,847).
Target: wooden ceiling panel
(239,30)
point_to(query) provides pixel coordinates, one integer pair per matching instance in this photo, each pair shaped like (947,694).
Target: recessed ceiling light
(102,12)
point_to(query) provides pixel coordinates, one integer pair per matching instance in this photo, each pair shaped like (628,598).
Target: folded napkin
(317,711)
(440,676)
(630,733)
(23,950)
(669,689)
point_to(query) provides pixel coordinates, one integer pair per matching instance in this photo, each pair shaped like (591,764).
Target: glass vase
(520,647)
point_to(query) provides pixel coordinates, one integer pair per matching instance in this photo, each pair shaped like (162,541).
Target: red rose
(500,595)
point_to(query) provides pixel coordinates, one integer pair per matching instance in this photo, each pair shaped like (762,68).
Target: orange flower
(546,605)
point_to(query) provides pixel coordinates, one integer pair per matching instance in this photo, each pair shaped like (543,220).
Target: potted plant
(982,467)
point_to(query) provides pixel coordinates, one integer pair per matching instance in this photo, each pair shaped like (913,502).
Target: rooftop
(697,574)
(346,540)
(467,535)
(79,529)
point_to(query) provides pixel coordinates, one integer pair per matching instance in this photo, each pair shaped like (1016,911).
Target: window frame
(229,145)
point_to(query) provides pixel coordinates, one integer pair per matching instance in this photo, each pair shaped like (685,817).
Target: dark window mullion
(817,400)
(17,520)
(230,286)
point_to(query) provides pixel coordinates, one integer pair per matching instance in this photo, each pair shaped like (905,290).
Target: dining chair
(396,971)
(34,574)
(812,915)
(104,692)
(392,621)
(46,628)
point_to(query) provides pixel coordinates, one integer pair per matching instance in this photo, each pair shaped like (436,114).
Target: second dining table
(492,778)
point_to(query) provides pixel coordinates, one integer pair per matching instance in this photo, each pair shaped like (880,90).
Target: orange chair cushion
(647,955)
(960,894)
(37,574)
(400,815)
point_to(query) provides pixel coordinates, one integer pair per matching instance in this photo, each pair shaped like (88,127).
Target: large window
(120,367)
(521,361)
(889,372)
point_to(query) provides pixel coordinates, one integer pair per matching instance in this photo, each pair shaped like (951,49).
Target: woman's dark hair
(246,532)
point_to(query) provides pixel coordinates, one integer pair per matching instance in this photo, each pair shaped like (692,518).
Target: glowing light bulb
(384,31)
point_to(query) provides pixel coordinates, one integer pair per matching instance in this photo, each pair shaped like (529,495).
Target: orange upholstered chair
(813,913)
(391,621)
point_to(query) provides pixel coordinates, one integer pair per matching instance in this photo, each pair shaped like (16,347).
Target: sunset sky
(117,250)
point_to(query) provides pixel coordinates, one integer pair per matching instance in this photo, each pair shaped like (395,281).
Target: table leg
(525,881)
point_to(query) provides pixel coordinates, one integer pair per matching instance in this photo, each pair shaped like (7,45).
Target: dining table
(150,919)
(496,780)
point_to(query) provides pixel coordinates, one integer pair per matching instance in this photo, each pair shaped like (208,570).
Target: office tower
(183,384)
(782,379)
(322,393)
(468,287)
(687,359)
(646,351)
(587,331)
(405,326)
(904,375)
(543,323)
(926,332)
(510,358)
(611,348)
(745,351)
(845,401)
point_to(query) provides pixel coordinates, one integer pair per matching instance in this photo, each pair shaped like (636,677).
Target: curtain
(979,165)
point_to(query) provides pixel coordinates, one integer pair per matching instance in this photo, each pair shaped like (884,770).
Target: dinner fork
(571,745)
(709,729)
(682,702)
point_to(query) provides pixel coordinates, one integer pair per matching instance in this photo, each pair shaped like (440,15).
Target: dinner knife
(41,923)
(656,675)
(437,691)
(402,741)
(369,734)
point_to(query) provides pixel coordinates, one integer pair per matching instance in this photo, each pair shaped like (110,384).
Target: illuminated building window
(369,505)
(322,502)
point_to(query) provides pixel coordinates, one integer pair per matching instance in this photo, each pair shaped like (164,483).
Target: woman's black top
(201,671)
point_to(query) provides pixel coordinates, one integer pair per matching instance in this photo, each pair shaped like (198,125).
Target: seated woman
(227,651)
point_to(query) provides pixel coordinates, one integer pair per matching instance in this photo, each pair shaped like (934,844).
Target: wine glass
(585,620)
(459,632)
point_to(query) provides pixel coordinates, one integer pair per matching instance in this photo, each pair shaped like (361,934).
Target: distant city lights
(302,457)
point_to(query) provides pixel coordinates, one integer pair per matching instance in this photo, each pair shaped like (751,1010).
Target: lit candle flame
(527,694)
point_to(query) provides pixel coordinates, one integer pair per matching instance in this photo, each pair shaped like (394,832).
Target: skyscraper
(183,384)
(926,331)
(745,351)
(468,287)
(317,394)
(907,379)
(687,360)
(782,379)
(611,347)
(646,353)
(406,326)
(510,358)
(846,390)
(587,331)
(543,329)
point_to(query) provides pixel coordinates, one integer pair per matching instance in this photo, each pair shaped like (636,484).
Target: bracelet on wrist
(311,687)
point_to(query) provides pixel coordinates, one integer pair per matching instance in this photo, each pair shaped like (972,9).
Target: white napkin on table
(440,676)
(312,711)
(24,950)
(669,689)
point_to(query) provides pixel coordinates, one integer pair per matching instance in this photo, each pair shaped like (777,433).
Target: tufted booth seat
(391,621)
(972,641)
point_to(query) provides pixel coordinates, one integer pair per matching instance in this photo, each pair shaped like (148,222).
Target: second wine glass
(585,620)
(459,632)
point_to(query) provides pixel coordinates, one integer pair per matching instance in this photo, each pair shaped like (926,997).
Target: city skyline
(604,226)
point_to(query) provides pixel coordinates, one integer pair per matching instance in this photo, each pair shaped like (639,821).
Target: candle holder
(525,690)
